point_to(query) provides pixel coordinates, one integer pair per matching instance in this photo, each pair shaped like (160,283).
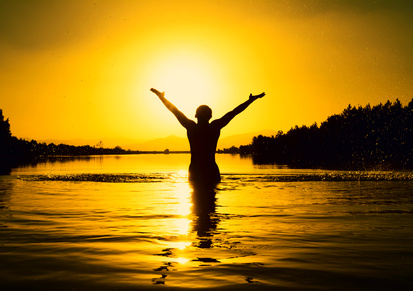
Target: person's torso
(203,141)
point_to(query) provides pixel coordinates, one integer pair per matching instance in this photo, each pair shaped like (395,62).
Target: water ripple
(239,178)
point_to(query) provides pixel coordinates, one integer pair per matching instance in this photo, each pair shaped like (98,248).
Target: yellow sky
(83,69)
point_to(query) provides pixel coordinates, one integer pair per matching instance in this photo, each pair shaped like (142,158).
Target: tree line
(360,138)
(13,148)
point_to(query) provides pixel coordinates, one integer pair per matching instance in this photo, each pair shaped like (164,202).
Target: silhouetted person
(203,138)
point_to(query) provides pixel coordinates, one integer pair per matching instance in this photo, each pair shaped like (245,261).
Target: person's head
(203,113)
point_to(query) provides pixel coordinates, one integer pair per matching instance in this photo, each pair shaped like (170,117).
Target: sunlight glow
(180,244)
(183,226)
(182,208)
(181,260)
(187,79)
(183,174)
(92,83)
(183,196)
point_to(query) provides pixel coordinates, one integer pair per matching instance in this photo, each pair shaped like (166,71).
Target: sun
(188,80)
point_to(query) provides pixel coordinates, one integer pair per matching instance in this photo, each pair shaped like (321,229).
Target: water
(130,223)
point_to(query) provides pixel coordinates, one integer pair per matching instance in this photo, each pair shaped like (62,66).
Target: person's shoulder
(190,123)
(216,123)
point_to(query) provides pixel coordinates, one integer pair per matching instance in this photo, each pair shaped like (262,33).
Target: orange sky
(83,69)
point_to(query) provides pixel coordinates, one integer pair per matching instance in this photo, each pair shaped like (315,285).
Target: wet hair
(203,112)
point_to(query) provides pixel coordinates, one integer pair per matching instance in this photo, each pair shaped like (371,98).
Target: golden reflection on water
(192,226)
(183,204)
(182,209)
(181,225)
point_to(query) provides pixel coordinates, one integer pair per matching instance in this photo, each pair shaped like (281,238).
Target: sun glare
(188,81)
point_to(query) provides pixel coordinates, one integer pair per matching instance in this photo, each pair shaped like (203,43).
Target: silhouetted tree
(231,150)
(358,138)
(5,135)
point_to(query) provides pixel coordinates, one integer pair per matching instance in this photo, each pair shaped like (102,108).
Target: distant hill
(172,142)
(175,143)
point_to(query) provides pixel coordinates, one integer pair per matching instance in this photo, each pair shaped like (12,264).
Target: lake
(133,223)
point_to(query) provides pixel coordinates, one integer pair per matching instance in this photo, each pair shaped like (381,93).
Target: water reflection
(195,228)
(204,213)
(6,187)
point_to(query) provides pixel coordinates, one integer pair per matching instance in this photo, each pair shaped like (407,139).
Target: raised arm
(183,120)
(223,121)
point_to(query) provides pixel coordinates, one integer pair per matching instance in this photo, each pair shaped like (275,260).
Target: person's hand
(255,97)
(158,93)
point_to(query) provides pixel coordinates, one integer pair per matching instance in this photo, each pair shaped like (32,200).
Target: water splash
(111,178)
(162,177)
